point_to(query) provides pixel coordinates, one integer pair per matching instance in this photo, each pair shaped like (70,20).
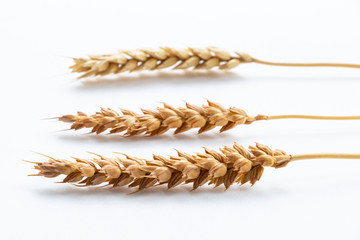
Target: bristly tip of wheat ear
(232,164)
(156,59)
(163,119)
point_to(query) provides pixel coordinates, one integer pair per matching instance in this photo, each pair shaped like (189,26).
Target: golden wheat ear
(175,58)
(229,165)
(181,119)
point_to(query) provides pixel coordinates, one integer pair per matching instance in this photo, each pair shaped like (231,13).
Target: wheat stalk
(232,164)
(175,58)
(181,119)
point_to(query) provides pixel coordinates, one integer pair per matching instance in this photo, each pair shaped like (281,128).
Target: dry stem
(324,155)
(175,58)
(180,118)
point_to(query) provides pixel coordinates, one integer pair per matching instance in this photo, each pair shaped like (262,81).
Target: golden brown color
(175,58)
(231,164)
(181,119)
(156,59)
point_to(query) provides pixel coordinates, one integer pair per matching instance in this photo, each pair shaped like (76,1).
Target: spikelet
(232,164)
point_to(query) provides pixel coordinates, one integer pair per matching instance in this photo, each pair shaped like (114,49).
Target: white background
(307,200)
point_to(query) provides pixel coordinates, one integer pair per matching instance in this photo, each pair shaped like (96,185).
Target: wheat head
(158,122)
(232,164)
(156,59)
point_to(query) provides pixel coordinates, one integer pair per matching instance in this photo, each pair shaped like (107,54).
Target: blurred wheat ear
(175,58)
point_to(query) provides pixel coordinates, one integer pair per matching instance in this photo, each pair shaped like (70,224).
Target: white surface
(306,200)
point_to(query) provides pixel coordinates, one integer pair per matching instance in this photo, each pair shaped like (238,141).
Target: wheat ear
(232,164)
(175,58)
(181,119)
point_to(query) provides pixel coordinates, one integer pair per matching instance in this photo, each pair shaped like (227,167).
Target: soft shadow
(308,134)
(212,136)
(184,137)
(172,77)
(187,76)
(182,193)
(158,190)
(298,79)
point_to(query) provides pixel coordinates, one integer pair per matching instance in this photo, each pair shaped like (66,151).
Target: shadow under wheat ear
(232,164)
(181,119)
(175,58)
